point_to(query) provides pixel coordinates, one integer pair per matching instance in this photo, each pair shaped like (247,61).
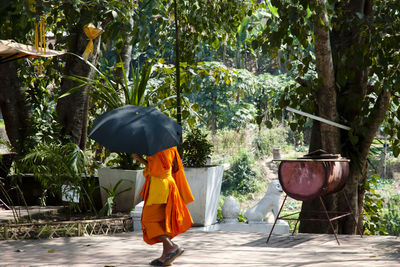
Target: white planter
(205,184)
(132,178)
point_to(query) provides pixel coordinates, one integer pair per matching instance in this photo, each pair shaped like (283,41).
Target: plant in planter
(204,180)
(112,194)
(197,149)
(122,161)
(61,170)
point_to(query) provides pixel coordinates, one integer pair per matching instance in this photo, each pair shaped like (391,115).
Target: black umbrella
(134,129)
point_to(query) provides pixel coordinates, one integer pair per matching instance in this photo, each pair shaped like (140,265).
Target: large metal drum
(311,177)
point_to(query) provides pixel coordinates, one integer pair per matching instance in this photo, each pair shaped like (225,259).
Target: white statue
(269,203)
(230,210)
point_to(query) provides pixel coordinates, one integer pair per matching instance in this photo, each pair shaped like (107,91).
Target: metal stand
(328,218)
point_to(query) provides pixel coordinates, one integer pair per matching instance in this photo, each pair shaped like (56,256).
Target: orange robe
(165,212)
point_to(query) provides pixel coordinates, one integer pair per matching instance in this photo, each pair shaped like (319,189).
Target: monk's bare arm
(140,159)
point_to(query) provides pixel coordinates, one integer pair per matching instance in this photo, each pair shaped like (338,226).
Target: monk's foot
(171,256)
(174,248)
(159,262)
(168,256)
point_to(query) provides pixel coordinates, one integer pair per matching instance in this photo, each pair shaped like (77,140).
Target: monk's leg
(168,246)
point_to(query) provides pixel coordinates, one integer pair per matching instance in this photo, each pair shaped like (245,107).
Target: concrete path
(206,249)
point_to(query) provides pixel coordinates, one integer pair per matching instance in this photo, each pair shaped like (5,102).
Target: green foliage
(196,149)
(233,98)
(108,93)
(219,215)
(111,195)
(106,89)
(122,161)
(292,209)
(381,217)
(241,218)
(240,177)
(292,37)
(214,23)
(55,165)
(268,139)
(391,215)
(374,224)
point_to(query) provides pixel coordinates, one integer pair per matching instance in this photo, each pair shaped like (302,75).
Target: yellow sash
(159,189)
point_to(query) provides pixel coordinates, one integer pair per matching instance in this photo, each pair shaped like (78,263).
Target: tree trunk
(125,57)
(125,54)
(73,109)
(328,136)
(355,88)
(14,107)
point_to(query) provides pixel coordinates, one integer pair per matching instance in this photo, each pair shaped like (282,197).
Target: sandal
(157,262)
(172,256)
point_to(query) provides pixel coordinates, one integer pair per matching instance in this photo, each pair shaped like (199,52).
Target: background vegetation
(233,84)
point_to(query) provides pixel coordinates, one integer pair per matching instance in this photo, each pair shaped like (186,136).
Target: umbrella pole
(177,68)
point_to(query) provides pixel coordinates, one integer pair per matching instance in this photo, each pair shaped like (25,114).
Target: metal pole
(318,118)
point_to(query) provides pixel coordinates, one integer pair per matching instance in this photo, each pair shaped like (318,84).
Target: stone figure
(269,203)
(230,210)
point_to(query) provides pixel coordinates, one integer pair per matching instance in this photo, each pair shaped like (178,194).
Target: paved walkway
(206,249)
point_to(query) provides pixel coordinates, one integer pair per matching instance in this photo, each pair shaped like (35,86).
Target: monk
(166,193)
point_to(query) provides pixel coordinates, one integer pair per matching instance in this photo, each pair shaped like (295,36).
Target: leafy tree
(198,22)
(16,111)
(232,98)
(73,109)
(65,20)
(352,45)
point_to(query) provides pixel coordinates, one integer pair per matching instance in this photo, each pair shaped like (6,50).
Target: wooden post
(79,228)
(5,231)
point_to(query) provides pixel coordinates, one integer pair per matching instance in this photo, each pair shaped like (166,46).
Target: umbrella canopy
(11,50)
(134,129)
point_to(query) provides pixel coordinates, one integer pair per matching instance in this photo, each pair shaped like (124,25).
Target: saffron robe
(166,193)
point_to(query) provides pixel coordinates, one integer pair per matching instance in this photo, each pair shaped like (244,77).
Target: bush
(196,149)
(268,139)
(240,177)
(391,214)
(373,208)
(56,166)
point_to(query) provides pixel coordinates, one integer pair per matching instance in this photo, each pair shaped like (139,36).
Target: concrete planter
(132,178)
(205,184)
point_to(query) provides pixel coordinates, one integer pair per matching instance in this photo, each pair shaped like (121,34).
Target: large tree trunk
(328,136)
(355,88)
(353,91)
(73,109)
(14,107)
